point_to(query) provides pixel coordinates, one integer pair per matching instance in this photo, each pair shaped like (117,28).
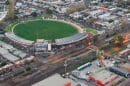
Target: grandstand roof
(71,39)
(15,38)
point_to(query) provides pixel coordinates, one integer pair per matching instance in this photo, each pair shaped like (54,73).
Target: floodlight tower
(65,65)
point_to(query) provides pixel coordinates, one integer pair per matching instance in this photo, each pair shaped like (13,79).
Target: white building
(55,80)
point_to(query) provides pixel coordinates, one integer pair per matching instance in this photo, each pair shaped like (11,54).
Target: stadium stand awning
(17,39)
(71,39)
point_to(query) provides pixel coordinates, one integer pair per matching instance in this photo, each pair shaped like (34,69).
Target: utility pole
(65,65)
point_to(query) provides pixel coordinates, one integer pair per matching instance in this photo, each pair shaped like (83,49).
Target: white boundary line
(80,30)
(68,22)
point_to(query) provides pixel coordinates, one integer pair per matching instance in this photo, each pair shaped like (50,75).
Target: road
(43,72)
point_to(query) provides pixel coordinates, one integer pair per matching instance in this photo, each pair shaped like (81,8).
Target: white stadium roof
(71,39)
(15,38)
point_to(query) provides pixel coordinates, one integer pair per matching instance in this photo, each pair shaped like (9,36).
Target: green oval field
(44,29)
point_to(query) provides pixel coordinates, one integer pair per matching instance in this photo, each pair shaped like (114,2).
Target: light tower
(65,65)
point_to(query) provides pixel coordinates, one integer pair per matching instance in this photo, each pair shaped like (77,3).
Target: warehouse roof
(15,38)
(105,77)
(7,55)
(55,80)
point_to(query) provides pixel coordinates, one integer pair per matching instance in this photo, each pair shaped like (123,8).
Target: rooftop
(71,39)
(105,77)
(55,80)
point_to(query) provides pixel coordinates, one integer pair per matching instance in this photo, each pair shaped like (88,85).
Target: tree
(49,11)
(28,68)
(3,63)
(76,7)
(111,20)
(123,3)
(124,23)
(118,40)
(92,20)
(7,2)
(34,14)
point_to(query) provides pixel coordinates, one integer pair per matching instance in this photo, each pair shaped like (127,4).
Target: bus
(84,66)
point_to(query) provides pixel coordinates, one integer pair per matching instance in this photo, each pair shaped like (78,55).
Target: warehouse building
(56,80)
(105,78)
(120,71)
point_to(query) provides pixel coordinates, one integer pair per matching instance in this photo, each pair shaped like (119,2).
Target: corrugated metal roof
(55,80)
(71,39)
(7,55)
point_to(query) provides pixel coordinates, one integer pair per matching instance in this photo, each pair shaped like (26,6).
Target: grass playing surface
(44,29)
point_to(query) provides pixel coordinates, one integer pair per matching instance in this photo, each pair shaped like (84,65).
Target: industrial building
(125,66)
(120,71)
(56,80)
(10,53)
(105,78)
(125,83)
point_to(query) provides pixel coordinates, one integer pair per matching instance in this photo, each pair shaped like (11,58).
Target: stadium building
(75,41)
(77,38)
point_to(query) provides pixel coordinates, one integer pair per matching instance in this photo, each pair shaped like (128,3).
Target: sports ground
(44,29)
